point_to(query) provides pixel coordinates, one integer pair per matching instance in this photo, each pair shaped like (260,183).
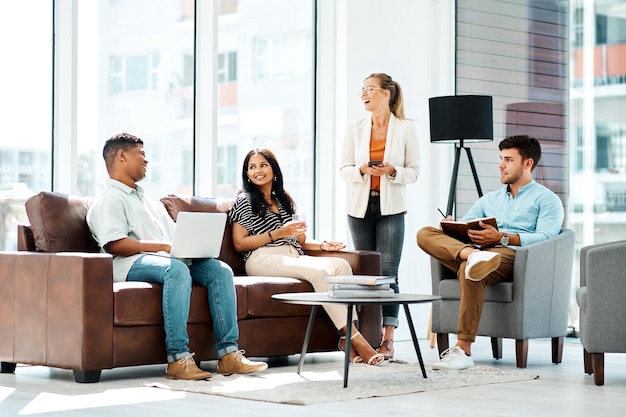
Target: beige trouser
(446,250)
(285,261)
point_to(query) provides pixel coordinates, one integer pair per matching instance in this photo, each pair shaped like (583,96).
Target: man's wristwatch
(504,240)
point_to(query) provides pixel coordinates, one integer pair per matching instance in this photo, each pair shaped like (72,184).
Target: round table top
(316,298)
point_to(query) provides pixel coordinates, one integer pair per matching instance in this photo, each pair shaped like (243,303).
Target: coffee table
(316,299)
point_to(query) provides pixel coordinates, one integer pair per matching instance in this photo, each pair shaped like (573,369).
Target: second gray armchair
(602,301)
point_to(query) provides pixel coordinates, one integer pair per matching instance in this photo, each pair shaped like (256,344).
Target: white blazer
(401,151)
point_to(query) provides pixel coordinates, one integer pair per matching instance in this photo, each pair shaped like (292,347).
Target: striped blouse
(256,225)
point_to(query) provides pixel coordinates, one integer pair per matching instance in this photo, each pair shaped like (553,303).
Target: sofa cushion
(259,295)
(138,303)
(58,223)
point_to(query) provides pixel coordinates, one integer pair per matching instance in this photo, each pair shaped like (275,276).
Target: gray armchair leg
(557,350)
(597,360)
(496,347)
(594,364)
(521,352)
(442,342)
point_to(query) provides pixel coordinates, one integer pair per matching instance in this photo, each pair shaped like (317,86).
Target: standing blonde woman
(380,157)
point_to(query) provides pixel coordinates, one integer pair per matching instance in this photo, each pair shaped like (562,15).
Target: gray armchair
(534,305)
(601,298)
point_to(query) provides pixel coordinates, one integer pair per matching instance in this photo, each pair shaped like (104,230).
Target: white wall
(413,41)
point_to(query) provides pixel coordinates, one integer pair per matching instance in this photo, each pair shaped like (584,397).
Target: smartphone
(372,163)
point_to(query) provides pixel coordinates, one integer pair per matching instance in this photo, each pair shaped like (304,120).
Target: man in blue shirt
(526,212)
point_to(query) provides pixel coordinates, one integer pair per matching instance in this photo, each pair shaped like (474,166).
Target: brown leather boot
(185,368)
(236,363)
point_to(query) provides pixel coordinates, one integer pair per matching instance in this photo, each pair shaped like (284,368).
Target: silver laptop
(198,235)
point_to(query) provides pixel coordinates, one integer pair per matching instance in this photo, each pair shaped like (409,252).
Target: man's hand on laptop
(155,246)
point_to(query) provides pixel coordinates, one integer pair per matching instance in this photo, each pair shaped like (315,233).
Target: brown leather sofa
(59,306)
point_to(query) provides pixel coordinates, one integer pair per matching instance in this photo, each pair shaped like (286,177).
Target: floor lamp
(458,120)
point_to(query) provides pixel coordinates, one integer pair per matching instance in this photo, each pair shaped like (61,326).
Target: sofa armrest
(363,262)
(439,272)
(25,238)
(605,285)
(55,304)
(584,257)
(545,267)
(542,277)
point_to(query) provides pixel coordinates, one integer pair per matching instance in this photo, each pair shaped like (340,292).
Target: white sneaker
(480,264)
(454,358)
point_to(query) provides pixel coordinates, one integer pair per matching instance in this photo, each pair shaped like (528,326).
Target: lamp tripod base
(455,173)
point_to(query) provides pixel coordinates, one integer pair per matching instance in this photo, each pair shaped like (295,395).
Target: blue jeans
(176,278)
(384,234)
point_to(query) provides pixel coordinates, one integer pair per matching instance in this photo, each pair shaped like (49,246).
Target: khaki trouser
(446,250)
(285,261)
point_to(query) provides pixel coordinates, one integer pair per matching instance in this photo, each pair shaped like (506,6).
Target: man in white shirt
(129,224)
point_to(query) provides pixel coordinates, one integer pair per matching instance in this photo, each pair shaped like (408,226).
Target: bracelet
(271,238)
(322,244)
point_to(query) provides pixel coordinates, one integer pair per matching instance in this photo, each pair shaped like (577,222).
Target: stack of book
(360,286)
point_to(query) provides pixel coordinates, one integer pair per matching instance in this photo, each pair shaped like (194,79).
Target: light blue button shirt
(121,211)
(535,214)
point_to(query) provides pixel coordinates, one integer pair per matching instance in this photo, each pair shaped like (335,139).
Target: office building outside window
(26,103)
(598,97)
(265,84)
(136,73)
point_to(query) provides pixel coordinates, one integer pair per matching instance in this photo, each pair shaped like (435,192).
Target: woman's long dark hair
(259,205)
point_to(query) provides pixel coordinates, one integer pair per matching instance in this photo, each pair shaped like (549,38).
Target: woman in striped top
(273,244)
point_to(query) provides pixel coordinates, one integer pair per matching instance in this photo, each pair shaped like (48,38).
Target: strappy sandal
(375,359)
(386,349)
(354,358)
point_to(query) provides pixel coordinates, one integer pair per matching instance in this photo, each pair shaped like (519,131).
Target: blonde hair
(396,101)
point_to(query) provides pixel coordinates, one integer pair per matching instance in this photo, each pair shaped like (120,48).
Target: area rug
(321,383)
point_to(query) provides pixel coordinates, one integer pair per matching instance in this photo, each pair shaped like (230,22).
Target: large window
(265,71)
(139,80)
(26,103)
(133,68)
(598,93)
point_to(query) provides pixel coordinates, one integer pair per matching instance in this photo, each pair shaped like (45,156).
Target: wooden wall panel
(515,51)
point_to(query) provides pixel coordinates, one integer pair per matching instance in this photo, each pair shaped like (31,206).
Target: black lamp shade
(467,118)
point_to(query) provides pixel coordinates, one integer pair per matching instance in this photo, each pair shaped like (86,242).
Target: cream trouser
(285,261)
